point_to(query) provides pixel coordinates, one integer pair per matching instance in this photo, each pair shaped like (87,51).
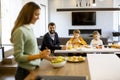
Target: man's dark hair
(51,24)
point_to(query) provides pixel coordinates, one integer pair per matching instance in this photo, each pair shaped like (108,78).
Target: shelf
(88,9)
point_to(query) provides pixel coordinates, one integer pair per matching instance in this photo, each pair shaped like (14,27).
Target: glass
(69,45)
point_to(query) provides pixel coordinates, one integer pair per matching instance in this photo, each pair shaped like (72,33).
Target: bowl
(59,61)
(57,65)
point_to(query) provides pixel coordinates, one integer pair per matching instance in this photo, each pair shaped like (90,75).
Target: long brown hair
(25,16)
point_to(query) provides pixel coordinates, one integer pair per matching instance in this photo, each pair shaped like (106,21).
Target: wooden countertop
(70,69)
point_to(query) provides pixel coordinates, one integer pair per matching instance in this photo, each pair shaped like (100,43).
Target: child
(96,41)
(76,41)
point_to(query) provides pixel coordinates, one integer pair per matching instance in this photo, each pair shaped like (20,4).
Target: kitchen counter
(95,67)
(69,69)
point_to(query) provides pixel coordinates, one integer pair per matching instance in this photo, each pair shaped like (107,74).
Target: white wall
(104,20)
(9,13)
(116,18)
(0,24)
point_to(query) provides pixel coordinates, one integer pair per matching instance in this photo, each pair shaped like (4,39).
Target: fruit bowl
(58,62)
(61,64)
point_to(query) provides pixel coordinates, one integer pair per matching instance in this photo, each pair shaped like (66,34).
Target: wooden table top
(69,69)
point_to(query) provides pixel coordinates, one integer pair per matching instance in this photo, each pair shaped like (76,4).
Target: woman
(26,51)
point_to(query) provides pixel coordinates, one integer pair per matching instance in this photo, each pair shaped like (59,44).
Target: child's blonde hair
(76,31)
(95,33)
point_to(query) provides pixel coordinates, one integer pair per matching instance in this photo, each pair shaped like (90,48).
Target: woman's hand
(45,53)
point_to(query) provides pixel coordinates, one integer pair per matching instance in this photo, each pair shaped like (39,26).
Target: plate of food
(76,59)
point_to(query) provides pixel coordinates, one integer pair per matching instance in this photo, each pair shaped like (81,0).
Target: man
(50,39)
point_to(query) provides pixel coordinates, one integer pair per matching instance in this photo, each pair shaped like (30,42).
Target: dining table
(89,50)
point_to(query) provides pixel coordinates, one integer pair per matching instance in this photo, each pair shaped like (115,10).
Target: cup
(105,46)
(109,46)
